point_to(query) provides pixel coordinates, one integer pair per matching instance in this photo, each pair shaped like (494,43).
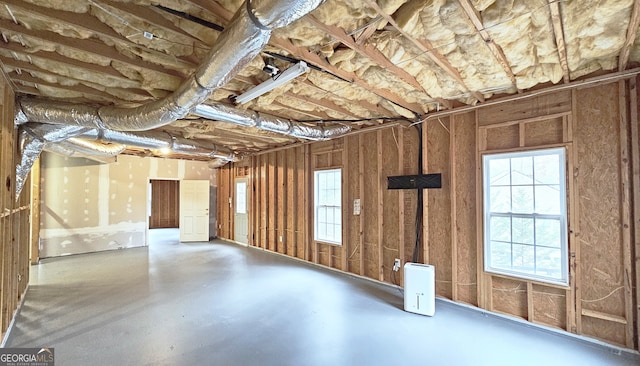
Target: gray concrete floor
(222,304)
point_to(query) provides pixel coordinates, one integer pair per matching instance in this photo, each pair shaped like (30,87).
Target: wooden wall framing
(165,204)
(598,127)
(15,220)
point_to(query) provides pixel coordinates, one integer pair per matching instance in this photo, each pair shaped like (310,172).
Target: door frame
(246,181)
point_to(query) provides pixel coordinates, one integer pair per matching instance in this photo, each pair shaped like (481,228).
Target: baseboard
(13,319)
(618,350)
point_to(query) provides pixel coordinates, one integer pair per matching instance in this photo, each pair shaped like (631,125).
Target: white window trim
(564,281)
(315,206)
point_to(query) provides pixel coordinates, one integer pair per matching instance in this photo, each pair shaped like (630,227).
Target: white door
(241,222)
(194,210)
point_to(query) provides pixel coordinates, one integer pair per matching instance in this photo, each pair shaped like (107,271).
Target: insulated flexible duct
(267,122)
(236,46)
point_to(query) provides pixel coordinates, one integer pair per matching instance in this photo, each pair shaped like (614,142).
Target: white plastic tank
(419,288)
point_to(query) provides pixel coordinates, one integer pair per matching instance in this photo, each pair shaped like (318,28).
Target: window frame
(316,207)
(563,216)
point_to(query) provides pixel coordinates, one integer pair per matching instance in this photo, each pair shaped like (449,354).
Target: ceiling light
(273,82)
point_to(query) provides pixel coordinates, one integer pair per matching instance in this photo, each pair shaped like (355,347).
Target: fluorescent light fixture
(273,82)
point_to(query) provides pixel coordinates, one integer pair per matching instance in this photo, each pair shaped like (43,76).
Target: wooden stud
(635,168)
(575,231)
(521,134)
(625,200)
(425,199)
(530,308)
(484,280)
(573,241)
(346,216)
(35,213)
(380,207)
(453,197)
(363,203)
(308,203)
(401,206)
(281,199)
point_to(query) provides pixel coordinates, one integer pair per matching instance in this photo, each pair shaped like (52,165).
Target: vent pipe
(267,122)
(237,45)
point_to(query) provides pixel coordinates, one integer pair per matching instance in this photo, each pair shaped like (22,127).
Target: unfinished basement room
(319,182)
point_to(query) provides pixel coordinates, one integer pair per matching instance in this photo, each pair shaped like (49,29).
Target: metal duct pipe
(69,150)
(94,147)
(267,122)
(162,140)
(237,45)
(76,141)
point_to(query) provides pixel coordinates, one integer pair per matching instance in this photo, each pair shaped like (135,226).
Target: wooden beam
(632,30)
(364,104)
(34,220)
(88,22)
(59,65)
(346,216)
(558,32)
(27,79)
(25,66)
(312,114)
(635,176)
(363,204)
(314,59)
(454,204)
(600,315)
(474,17)
(430,51)
(401,208)
(380,207)
(88,46)
(574,231)
(214,7)
(150,15)
(366,33)
(625,201)
(374,55)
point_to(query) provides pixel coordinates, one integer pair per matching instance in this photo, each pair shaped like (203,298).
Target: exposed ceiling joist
(558,32)
(88,46)
(136,94)
(374,55)
(632,31)
(476,20)
(428,49)
(314,59)
(60,63)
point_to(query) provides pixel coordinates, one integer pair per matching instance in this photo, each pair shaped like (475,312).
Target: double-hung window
(525,215)
(328,206)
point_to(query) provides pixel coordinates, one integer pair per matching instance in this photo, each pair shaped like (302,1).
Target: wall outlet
(396,265)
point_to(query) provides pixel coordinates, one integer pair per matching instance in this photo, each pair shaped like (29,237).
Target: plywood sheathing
(600,221)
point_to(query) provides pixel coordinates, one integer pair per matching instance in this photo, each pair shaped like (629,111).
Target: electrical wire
(338,120)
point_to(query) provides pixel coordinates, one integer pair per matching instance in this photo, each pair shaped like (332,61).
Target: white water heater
(420,288)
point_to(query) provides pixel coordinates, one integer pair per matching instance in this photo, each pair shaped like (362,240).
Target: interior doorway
(165,204)
(241,221)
